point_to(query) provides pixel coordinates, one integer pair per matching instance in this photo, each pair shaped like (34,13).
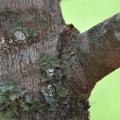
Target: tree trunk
(52,61)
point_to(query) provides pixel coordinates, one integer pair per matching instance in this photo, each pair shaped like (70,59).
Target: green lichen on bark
(7,12)
(56,94)
(29,33)
(49,60)
(13,99)
(10,95)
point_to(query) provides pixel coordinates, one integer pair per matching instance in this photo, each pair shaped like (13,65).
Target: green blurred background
(105,98)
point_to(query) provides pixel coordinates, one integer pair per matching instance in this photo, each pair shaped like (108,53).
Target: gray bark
(19,52)
(30,29)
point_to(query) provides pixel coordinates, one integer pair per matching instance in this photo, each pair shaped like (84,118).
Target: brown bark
(90,56)
(30,29)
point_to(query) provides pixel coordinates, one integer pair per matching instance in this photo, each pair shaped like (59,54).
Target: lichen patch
(2,41)
(117,35)
(50,72)
(19,35)
(48,93)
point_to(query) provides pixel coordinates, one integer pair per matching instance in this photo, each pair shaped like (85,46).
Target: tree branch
(89,56)
(101,49)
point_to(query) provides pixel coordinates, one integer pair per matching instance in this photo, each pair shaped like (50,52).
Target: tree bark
(95,53)
(39,51)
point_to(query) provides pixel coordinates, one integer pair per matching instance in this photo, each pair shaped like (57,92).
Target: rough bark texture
(30,30)
(90,56)
(20,49)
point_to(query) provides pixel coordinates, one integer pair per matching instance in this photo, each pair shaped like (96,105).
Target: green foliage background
(105,98)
